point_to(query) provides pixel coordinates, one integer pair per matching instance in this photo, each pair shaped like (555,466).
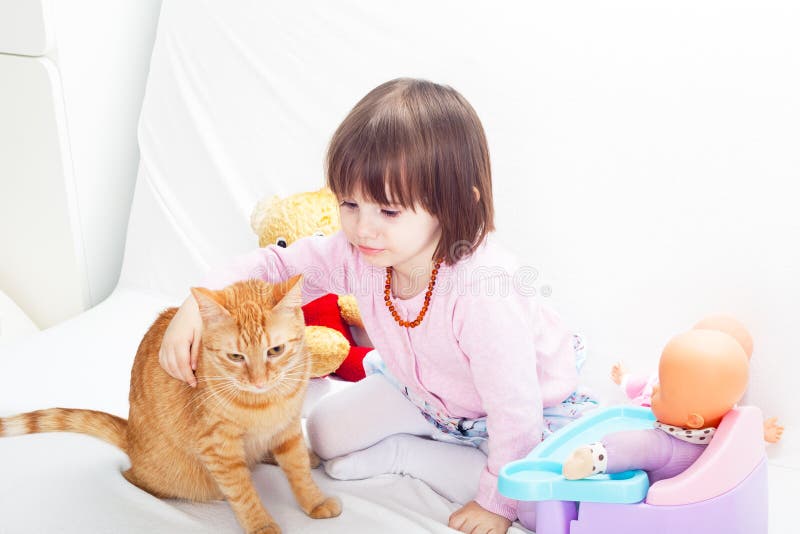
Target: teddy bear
(282,221)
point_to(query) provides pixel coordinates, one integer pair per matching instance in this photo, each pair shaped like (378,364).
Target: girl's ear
(695,420)
(477,193)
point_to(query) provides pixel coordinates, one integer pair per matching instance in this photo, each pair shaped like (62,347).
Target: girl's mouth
(370,251)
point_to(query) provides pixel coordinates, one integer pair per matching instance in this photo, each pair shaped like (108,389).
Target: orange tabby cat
(199,443)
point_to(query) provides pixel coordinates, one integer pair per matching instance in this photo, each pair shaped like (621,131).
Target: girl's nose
(365,228)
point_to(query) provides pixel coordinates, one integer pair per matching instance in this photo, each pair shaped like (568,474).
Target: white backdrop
(645,156)
(645,159)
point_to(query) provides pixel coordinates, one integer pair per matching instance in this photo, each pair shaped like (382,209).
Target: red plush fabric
(324,311)
(352,368)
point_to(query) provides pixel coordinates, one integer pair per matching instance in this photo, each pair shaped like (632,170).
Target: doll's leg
(652,450)
(617,452)
(361,416)
(450,469)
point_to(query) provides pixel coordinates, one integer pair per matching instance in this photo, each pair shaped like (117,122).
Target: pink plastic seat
(735,451)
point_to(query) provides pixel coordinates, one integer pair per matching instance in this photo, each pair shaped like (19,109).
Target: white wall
(644,154)
(72,77)
(103,96)
(662,180)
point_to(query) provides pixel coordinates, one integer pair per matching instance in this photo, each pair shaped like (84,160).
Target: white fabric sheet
(600,122)
(73,484)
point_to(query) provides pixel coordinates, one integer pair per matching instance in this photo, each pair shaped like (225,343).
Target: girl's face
(390,236)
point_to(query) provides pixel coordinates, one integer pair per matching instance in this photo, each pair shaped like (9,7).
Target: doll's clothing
(659,454)
(700,436)
(639,388)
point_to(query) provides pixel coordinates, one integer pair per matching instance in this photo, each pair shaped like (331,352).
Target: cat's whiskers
(226,396)
(213,378)
(198,402)
(212,390)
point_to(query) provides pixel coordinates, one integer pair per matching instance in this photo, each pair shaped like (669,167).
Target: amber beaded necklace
(388,299)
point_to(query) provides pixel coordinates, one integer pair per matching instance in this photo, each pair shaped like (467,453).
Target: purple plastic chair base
(743,510)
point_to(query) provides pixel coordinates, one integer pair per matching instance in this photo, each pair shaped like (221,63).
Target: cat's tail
(101,425)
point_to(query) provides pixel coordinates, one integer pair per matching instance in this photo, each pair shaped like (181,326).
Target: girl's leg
(450,469)
(361,416)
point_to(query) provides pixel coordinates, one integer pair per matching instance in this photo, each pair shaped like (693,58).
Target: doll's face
(675,406)
(702,375)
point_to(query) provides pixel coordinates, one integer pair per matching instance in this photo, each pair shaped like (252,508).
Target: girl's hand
(179,347)
(472,518)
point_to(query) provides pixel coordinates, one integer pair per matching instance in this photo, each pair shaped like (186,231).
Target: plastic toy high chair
(725,490)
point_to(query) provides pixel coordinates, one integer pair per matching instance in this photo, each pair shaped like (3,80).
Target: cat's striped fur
(199,443)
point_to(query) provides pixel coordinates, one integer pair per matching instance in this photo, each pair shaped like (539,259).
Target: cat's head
(252,337)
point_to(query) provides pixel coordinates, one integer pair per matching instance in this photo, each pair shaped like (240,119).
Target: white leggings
(370,428)
(361,416)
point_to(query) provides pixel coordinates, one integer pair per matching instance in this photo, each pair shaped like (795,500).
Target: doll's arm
(632,385)
(617,372)
(772,430)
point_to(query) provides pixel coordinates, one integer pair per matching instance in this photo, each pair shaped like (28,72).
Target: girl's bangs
(380,173)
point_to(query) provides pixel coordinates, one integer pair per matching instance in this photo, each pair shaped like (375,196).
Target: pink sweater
(483,349)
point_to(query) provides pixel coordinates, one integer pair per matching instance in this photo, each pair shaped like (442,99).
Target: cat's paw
(313,459)
(270,528)
(330,507)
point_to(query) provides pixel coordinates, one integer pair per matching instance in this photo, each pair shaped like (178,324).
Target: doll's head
(730,326)
(415,144)
(702,375)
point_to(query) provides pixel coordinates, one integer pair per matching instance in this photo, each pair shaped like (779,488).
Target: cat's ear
(289,294)
(211,304)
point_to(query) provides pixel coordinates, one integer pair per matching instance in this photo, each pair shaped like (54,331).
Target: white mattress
(73,484)
(580,106)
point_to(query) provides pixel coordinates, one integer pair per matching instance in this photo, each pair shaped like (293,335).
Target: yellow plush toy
(281,222)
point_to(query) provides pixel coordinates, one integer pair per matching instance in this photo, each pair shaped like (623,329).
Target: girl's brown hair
(413,142)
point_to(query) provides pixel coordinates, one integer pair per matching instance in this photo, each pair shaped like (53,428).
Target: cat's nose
(260,384)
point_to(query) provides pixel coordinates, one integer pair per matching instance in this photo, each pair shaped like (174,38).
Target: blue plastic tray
(538,476)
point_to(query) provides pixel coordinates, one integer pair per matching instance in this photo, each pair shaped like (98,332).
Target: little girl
(462,353)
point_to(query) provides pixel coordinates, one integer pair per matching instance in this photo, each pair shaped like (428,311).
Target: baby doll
(639,388)
(702,374)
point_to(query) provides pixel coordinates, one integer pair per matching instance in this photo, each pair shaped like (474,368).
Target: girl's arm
(325,263)
(499,331)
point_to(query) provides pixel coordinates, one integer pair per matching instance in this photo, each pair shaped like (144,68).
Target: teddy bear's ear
(260,211)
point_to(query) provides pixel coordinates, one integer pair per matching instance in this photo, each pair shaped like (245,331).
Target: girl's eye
(236,357)
(390,213)
(276,350)
(347,204)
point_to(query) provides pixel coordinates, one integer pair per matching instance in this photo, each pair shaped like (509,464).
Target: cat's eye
(277,350)
(236,357)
